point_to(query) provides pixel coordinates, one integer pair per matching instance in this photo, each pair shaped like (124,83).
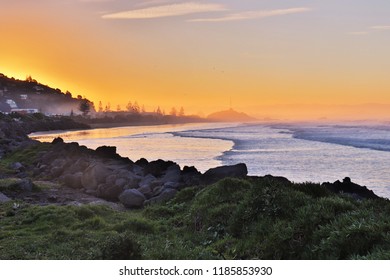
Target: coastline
(77,203)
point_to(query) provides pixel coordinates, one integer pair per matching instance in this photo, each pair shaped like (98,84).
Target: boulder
(147,181)
(109,192)
(172,185)
(146,191)
(16,166)
(56,172)
(132,198)
(165,195)
(78,166)
(94,175)
(23,185)
(73,180)
(172,174)
(121,182)
(4,198)
(190,176)
(57,140)
(142,162)
(107,152)
(347,186)
(158,167)
(215,174)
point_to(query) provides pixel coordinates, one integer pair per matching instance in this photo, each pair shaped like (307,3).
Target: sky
(271,58)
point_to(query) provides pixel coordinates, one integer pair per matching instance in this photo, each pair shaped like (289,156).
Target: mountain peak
(230,115)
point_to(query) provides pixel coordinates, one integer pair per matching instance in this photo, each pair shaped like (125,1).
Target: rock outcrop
(347,186)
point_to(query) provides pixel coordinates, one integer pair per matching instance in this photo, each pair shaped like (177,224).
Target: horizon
(285,59)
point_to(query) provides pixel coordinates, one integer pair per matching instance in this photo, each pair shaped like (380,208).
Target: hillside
(16,95)
(230,116)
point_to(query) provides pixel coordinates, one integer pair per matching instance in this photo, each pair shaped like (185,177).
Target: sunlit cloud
(381,27)
(167,11)
(253,15)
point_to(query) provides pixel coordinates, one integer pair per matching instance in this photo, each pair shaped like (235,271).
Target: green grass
(26,156)
(232,219)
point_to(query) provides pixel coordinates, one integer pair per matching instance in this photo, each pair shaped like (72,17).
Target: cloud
(381,27)
(253,15)
(167,11)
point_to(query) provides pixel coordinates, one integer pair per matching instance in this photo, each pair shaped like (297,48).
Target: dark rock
(172,174)
(57,140)
(23,185)
(215,174)
(109,192)
(4,198)
(347,186)
(147,181)
(121,182)
(165,195)
(146,191)
(94,175)
(279,179)
(56,172)
(158,167)
(142,162)
(16,166)
(189,170)
(73,180)
(132,198)
(172,185)
(107,152)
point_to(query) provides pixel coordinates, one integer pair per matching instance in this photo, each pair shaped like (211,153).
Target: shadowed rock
(158,167)
(215,174)
(132,198)
(4,198)
(347,186)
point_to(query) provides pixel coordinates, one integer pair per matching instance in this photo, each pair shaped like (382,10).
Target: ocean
(301,152)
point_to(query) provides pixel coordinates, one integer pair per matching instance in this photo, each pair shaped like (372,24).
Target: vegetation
(260,218)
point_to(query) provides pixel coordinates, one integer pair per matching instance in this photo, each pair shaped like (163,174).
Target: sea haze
(300,152)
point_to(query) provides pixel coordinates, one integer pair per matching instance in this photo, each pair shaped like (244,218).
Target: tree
(118,108)
(181,112)
(136,109)
(85,107)
(100,107)
(108,107)
(158,111)
(129,106)
(143,109)
(173,111)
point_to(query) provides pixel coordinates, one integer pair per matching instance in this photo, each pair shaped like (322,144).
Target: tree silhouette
(181,112)
(173,111)
(100,107)
(85,107)
(129,106)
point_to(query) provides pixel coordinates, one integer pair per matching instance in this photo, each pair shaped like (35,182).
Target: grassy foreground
(259,218)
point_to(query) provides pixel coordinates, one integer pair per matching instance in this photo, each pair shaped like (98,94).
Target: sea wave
(362,137)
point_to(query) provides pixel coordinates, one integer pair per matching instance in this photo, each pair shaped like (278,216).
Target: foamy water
(300,152)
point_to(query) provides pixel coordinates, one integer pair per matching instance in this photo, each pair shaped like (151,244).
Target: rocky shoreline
(67,173)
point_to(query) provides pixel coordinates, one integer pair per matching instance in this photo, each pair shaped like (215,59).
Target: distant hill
(16,95)
(230,116)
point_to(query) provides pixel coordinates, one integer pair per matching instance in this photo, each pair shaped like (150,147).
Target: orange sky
(199,54)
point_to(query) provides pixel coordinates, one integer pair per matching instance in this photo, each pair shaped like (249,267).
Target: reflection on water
(152,143)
